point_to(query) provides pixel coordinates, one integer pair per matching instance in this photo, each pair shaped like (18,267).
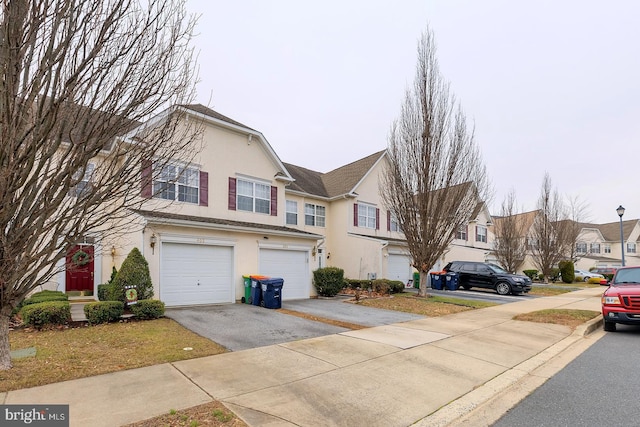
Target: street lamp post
(620,211)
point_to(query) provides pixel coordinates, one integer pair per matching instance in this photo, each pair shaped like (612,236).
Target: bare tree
(577,211)
(435,176)
(78,79)
(510,231)
(548,236)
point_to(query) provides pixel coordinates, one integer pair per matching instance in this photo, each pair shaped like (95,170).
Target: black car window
(484,269)
(468,268)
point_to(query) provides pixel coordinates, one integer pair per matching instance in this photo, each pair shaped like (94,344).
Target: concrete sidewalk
(428,372)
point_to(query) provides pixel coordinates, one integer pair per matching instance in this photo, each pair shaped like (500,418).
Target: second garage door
(196,274)
(399,268)
(292,266)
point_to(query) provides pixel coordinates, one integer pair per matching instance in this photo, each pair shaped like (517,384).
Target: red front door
(80,268)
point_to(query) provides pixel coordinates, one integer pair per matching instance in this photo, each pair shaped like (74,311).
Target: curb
(518,382)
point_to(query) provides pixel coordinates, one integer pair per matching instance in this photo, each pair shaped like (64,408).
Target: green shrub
(103,292)
(567,271)
(148,309)
(45,296)
(386,286)
(358,283)
(578,279)
(531,274)
(46,313)
(328,281)
(133,272)
(555,274)
(608,276)
(396,286)
(103,311)
(594,280)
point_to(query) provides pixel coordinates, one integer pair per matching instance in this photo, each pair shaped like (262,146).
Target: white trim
(284,246)
(194,240)
(224,227)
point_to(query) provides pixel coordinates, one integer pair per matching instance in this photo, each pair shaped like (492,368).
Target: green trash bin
(246,299)
(416,280)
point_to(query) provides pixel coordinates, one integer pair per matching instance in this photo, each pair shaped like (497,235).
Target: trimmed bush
(328,281)
(46,313)
(103,311)
(555,274)
(133,272)
(578,279)
(103,292)
(359,283)
(45,296)
(148,309)
(567,271)
(531,274)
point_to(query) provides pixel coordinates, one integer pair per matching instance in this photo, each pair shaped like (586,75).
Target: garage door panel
(399,267)
(196,274)
(292,266)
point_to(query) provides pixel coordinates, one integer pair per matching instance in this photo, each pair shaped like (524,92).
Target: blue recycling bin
(256,289)
(272,292)
(451,281)
(436,281)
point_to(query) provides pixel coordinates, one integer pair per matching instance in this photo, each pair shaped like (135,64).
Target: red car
(621,300)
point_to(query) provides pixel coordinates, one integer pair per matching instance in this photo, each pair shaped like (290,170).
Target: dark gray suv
(485,275)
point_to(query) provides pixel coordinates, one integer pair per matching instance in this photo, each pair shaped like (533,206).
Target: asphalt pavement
(243,326)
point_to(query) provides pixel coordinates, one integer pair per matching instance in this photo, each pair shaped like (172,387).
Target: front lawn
(431,306)
(85,351)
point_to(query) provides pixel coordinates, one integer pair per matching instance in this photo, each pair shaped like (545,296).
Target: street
(600,387)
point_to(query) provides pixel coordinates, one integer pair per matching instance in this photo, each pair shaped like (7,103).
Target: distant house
(597,245)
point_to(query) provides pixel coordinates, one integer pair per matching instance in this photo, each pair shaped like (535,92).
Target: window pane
(263,206)
(187,194)
(244,188)
(309,209)
(263,191)
(292,206)
(245,203)
(309,220)
(292,218)
(320,210)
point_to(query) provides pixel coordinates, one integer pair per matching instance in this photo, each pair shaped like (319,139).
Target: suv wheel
(610,326)
(503,288)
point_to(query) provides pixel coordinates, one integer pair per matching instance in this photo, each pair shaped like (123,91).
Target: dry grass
(333,322)
(431,306)
(570,318)
(213,414)
(85,351)
(548,292)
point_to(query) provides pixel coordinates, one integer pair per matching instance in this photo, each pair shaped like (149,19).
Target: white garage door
(399,268)
(196,274)
(292,266)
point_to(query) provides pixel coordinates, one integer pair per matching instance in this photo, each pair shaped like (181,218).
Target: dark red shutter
(377,219)
(232,194)
(355,214)
(466,236)
(146,189)
(388,220)
(204,188)
(274,200)
(476,230)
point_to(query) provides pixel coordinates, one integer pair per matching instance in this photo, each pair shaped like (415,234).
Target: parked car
(586,275)
(485,275)
(604,270)
(621,300)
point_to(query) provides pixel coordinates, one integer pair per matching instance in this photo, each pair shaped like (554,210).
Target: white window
(594,248)
(314,215)
(581,248)
(83,187)
(607,249)
(366,216)
(631,247)
(462,233)
(253,197)
(292,212)
(481,233)
(179,183)
(393,223)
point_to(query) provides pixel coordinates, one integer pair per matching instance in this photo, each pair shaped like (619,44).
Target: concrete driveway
(243,326)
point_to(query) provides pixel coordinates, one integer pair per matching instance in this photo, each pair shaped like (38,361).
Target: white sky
(549,85)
